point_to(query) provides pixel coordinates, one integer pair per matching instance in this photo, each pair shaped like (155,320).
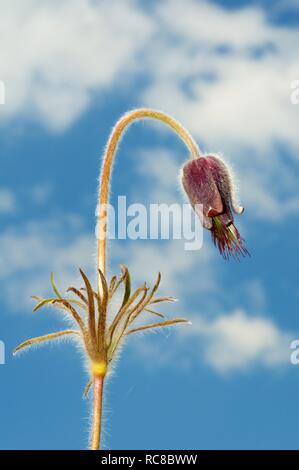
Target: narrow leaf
(87,389)
(112,285)
(102,309)
(72,311)
(42,339)
(154,313)
(118,282)
(42,303)
(104,289)
(174,321)
(78,293)
(122,311)
(163,299)
(54,287)
(95,294)
(146,301)
(127,292)
(91,308)
(128,313)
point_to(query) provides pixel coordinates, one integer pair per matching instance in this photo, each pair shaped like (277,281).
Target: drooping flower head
(209,185)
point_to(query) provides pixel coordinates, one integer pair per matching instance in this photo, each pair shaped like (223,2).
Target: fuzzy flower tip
(209,185)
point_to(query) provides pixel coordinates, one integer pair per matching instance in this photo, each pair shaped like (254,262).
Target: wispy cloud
(240,341)
(82,47)
(228,76)
(213,75)
(177,266)
(7,201)
(229,343)
(30,252)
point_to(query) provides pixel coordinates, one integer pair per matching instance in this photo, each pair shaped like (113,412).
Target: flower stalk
(98,384)
(110,153)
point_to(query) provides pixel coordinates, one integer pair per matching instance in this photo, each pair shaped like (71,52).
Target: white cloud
(84,46)
(54,54)
(159,168)
(227,77)
(7,201)
(228,344)
(225,74)
(264,200)
(31,252)
(238,341)
(241,96)
(177,266)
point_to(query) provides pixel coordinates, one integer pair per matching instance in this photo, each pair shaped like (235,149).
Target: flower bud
(208,183)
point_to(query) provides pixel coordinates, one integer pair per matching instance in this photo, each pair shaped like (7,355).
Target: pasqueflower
(209,185)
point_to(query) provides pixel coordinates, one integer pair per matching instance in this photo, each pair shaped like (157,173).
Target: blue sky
(224,69)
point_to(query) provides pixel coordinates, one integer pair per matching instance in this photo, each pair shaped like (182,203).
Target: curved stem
(109,154)
(115,136)
(97,412)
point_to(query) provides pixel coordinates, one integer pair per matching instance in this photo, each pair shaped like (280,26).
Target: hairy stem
(97,412)
(109,154)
